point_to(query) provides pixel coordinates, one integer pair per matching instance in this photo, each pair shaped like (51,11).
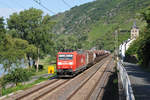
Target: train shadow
(111,89)
(53,77)
(68,76)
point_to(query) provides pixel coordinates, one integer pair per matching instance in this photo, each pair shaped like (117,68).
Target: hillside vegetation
(99,20)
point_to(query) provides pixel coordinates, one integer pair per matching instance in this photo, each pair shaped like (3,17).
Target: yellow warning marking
(51,69)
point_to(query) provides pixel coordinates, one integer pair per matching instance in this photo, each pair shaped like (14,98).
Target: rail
(70,88)
(126,89)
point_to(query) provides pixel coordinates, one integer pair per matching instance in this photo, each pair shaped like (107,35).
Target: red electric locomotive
(70,63)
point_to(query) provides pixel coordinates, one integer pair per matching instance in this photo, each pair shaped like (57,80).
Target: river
(23,64)
(1,70)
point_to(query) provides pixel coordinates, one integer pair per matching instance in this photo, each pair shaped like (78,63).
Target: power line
(39,2)
(66,3)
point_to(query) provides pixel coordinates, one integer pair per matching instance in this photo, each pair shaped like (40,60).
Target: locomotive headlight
(70,63)
(59,63)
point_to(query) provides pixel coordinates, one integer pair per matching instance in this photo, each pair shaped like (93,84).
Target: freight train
(71,63)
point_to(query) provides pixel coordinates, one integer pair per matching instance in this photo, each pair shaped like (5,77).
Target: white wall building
(125,45)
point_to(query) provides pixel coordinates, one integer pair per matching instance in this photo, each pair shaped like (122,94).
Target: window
(65,57)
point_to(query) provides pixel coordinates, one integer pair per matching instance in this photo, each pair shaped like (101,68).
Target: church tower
(134,31)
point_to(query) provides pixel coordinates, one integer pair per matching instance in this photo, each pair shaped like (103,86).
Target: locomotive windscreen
(65,57)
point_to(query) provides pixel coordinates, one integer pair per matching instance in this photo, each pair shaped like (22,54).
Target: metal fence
(0,90)
(127,91)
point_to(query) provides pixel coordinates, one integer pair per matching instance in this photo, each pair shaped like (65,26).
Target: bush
(15,76)
(132,50)
(41,67)
(144,51)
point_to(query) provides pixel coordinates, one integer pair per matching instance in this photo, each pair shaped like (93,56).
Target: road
(140,81)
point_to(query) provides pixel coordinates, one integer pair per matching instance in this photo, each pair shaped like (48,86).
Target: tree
(16,76)
(31,54)
(144,44)
(2,33)
(2,30)
(146,16)
(144,50)
(33,27)
(99,43)
(13,50)
(64,42)
(2,25)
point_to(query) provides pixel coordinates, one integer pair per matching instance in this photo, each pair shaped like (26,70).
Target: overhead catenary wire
(39,2)
(66,3)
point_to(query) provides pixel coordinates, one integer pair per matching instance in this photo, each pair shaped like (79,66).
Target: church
(134,32)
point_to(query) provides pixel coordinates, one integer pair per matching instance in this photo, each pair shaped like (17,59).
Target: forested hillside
(98,20)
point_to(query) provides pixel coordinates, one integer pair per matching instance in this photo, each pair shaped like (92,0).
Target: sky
(7,7)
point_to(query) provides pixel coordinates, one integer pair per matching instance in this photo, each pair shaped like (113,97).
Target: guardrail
(0,90)
(126,92)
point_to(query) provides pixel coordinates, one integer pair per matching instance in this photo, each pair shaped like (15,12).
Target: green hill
(99,20)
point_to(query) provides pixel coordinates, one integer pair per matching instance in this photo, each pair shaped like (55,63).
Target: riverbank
(36,77)
(35,80)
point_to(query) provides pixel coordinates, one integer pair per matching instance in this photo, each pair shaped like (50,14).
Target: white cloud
(5,12)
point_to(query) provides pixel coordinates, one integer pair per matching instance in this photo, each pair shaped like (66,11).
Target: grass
(23,87)
(44,71)
(45,62)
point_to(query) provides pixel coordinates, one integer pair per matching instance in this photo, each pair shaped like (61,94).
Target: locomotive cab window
(65,57)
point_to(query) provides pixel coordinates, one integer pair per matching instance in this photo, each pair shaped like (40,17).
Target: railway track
(87,85)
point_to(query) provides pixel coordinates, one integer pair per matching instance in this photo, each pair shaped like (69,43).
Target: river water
(23,64)
(1,70)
